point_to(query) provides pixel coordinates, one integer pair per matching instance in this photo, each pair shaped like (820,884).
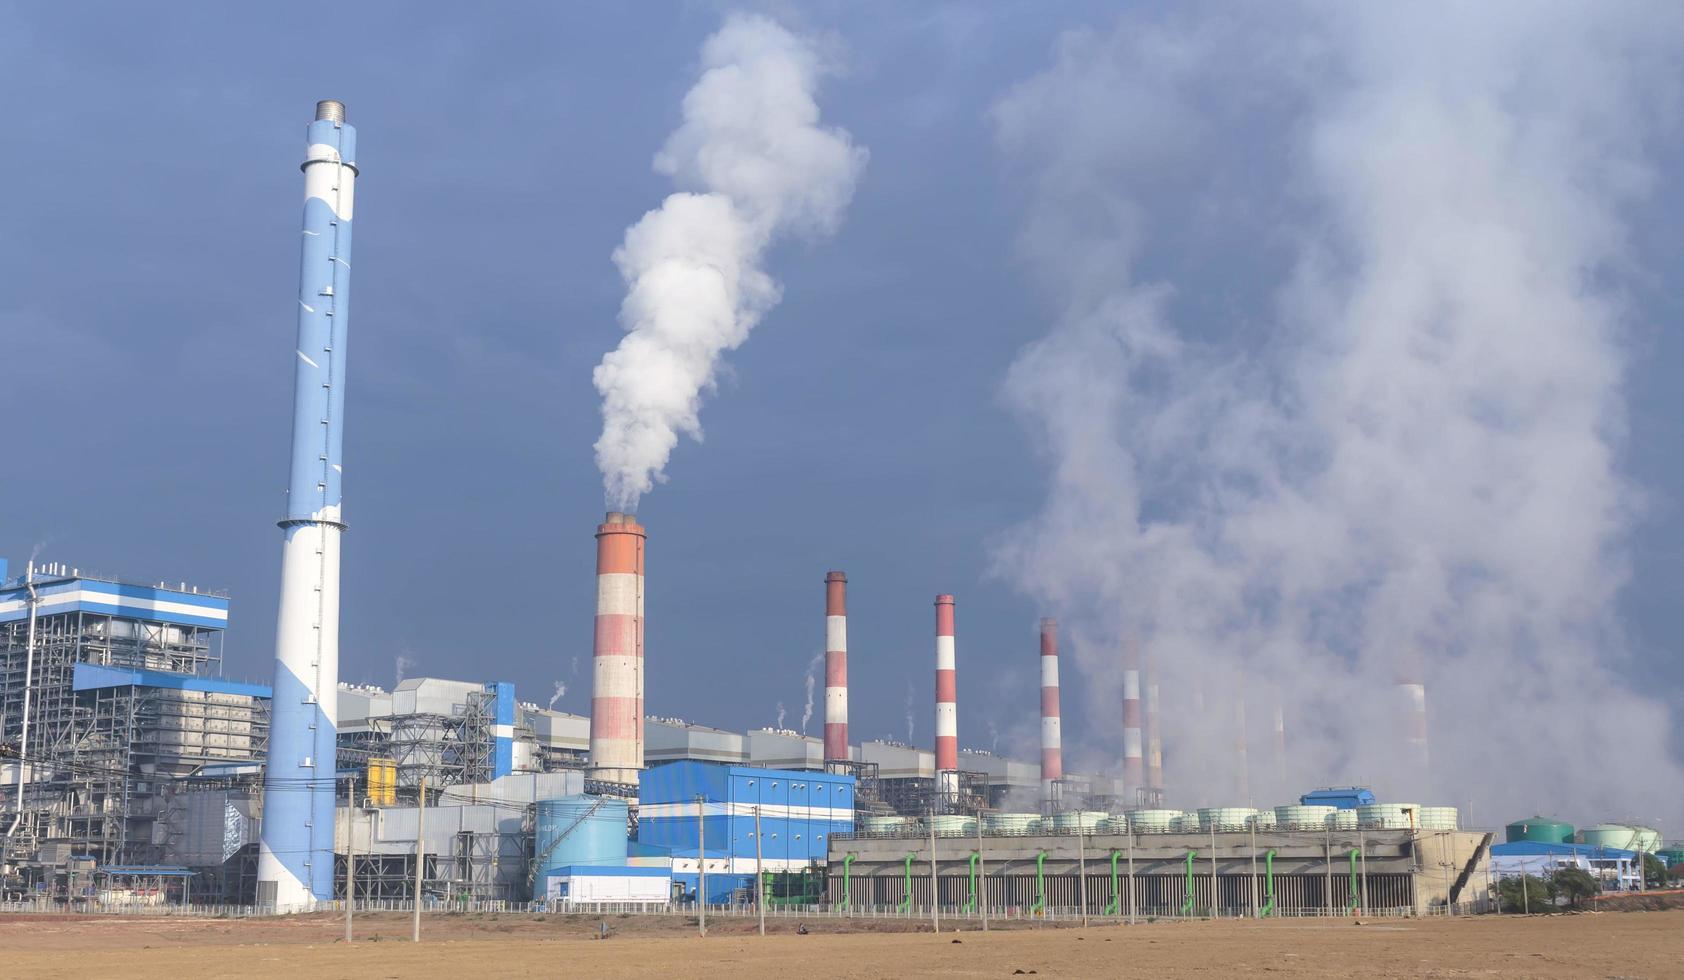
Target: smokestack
(947,704)
(1280,744)
(295,856)
(1052,741)
(1412,695)
(835,667)
(1241,762)
(1134,761)
(1154,739)
(617,652)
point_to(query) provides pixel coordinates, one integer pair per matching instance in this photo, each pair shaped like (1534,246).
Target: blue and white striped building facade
(798,812)
(67,594)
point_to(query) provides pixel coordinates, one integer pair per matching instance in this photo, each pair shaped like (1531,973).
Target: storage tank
(1010,824)
(1540,829)
(1072,820)
(1114,824)
(1264,820)
(1154,821)
(953,825)
(1225,819)
(1387,816)
(1299,817)
(1437,818)
(886,825)
(576,830)
(1622,836)
(1187,823)
(1342,820)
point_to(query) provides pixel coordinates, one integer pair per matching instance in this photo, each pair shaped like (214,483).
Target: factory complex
(134,773)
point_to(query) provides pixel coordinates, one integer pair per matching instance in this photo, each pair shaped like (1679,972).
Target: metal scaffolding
(98,760)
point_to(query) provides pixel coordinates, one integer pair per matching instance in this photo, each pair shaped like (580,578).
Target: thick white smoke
(752,163)
(1336,393)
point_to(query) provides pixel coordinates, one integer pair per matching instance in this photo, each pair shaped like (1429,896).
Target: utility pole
(420,857)
(1082,870)
(701,869)
(1215,905)
(1252,822)
(982,874)
(935,886)
(1362,845)
(1327,886)
(1132,902)
(350,855)
(759,875)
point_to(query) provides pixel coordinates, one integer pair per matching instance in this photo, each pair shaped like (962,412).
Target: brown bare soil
(1631,944)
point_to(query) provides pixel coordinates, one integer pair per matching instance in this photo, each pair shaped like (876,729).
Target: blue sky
(150,243)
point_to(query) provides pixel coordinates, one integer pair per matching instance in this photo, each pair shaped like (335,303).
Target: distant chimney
(1052,742)
(617,655)
(1154,738)
(947,704)
(835,667)
(1134,760)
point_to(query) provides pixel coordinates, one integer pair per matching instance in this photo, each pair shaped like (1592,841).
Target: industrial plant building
(126,756)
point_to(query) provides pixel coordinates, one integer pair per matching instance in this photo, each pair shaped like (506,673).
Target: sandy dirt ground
(1613,944)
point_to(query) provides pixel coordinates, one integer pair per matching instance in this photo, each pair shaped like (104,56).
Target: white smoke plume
(402,664)
(753,164)
(812,682)
(909,725)
(780,725)
(560,692)
(1337,386)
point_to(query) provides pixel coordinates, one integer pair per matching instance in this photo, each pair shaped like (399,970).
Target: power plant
(133,771)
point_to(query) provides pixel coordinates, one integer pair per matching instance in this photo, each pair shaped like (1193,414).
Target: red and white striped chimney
(1134,763)
(947,704)
(835,667)
(1052,742)
(617,656)
(1154,739)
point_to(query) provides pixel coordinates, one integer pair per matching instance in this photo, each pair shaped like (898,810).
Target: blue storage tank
(1343,797)
(579,830)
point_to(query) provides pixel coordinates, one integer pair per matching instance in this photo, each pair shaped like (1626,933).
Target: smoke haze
(1390,443)
(753,164)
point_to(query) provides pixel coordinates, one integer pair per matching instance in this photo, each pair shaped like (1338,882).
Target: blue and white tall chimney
(295,862)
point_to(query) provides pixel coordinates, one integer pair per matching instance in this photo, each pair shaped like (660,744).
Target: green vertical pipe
(847,892)
(1268,883)
(1355,895)
(1040,884)
(1187,904)
(1115,906)
(970,903)
(906,903)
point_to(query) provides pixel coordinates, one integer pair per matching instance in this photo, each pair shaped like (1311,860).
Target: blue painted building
(798,812)
(1342,797)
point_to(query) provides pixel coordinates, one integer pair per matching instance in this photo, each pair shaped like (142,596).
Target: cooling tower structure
(835,667)
(295,858)
(1154,739)
(1052,742)
(947,705)
(1134,758)
(617,653)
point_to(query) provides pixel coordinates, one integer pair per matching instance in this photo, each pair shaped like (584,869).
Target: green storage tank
(1673,856)
(1539,829)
